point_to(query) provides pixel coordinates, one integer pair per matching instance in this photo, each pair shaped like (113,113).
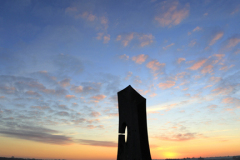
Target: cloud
(97,143)
(65,82)
(106,38)
(180,60)
(172,14)
(40,107)
(2,97)
(140,58)
(129,74)
(43,136)
(87,87)
(32,93)
(154,65)
(63,113)
(95,114)
(198,64)
(179,137)
(197,29)
(124,57)
(215,79)
(223,90)
(70,96)
(212,107)
(167,84)
(165,48)
(232,42)
(141,39)
(230,101)
(215,38)
(207,69)
(98,97)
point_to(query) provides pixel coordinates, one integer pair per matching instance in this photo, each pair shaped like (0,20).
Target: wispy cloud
(124,57)
(181,60)
(141,39)
(166,47)
(167,84)
(198,64)
(179,137)
(172,14)
(216,37)
(97,143)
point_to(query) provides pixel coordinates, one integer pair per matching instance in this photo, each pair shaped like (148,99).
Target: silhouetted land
(12,158)
(200,158)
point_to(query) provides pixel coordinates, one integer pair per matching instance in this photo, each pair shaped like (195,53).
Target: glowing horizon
(63,62)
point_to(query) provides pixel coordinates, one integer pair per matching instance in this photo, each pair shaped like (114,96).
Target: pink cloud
(198,64)
(140,58)
(165,48)
(124,57)
(95,114)
(77,89)
(154,65)
(69,96)
(207,69)
(208,86)
(223,91)
(106,38)
(180,60)
(65,82)
(166,85)
(98,97)
(197,29)
(228,100)
(172,14)
(215,38)
(142,39)
(233,42)
(215,79)
(128,75)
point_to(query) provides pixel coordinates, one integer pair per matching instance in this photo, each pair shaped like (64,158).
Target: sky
(62,63)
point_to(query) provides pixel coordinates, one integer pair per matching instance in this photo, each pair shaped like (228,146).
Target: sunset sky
(62,63)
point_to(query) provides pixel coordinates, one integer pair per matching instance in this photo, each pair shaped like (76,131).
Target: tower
(132,115)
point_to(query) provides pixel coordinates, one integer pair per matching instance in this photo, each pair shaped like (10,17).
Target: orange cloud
(166,85)
(173,14)
(198,64)
(140,58)
(154,65)
(69,96)
(146,39)
(207,69)
(98,97)
(180,60)
(215,38)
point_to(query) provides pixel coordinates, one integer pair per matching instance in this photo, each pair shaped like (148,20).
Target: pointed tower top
(130,92)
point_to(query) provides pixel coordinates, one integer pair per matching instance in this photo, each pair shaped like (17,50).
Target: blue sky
(63,62)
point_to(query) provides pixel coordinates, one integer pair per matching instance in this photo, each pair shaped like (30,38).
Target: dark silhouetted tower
(132,115)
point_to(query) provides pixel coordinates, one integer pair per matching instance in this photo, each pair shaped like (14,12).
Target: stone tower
(132,115)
